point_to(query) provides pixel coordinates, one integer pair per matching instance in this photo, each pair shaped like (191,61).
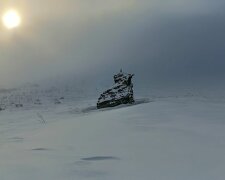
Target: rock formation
(120,93)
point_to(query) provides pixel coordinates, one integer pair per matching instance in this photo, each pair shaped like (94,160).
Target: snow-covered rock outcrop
(120,93)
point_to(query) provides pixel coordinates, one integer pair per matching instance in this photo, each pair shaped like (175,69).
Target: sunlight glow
(11,19)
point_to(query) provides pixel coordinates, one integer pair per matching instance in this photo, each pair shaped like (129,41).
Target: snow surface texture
(165,139)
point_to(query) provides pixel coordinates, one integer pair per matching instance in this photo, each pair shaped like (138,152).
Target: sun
(11,19)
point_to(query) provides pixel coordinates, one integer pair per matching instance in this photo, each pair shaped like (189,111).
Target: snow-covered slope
(167,139)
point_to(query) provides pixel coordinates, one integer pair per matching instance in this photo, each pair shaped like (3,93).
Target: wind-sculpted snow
(137,102)
(163,138)
(100,158)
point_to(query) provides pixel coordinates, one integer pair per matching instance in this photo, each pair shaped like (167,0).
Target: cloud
(166,41)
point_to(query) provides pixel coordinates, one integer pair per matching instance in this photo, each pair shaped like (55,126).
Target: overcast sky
(161,41)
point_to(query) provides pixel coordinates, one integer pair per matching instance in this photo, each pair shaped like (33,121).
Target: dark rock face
(19,105)
(120,93)
(2,108)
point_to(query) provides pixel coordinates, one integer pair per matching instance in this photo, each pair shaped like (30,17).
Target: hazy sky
(160,41)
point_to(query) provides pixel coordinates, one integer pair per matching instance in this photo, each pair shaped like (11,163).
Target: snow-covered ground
(166,139)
